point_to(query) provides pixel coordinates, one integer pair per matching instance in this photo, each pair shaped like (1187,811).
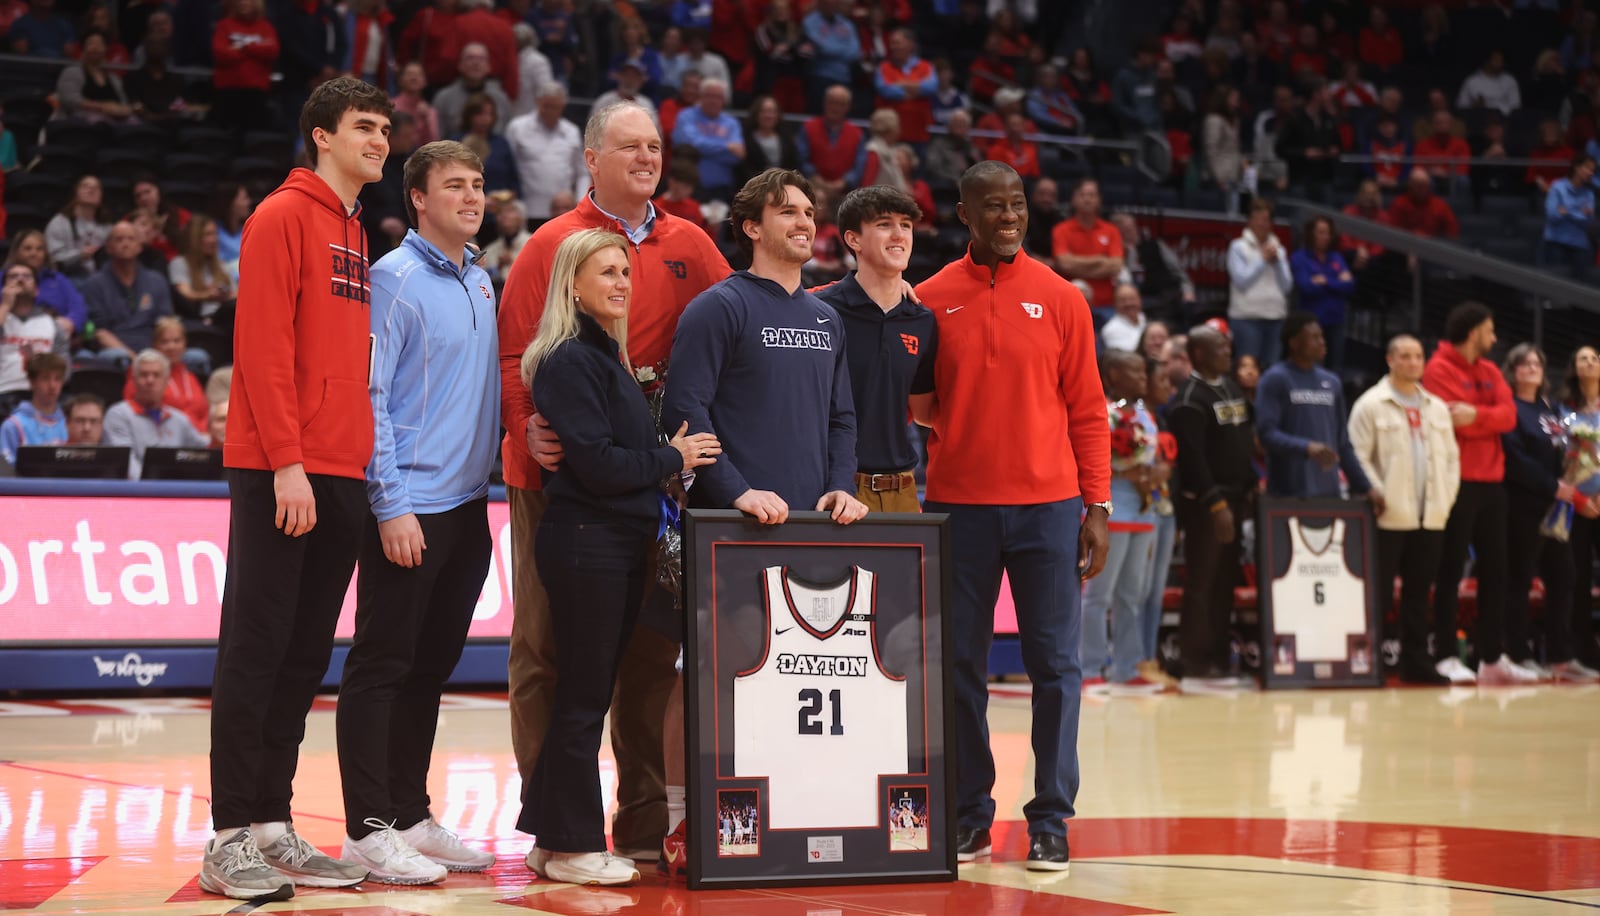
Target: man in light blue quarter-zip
(425,551)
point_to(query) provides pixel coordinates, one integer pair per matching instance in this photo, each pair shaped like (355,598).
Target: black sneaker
(970,844)
(1048,852)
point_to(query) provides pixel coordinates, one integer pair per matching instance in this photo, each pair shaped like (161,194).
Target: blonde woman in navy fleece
(603,518)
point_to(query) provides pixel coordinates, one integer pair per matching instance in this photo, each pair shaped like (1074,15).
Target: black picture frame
(1312,597)
(802,837)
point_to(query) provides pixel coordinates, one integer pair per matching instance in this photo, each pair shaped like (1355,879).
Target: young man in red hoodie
(1481,408)
(298,442)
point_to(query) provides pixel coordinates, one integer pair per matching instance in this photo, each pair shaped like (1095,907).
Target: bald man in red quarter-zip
(1020,445)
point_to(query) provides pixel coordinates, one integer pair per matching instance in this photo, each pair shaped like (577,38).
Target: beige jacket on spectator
(1381,437)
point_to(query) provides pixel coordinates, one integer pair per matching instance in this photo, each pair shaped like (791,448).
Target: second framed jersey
(817,703)
(1319,602)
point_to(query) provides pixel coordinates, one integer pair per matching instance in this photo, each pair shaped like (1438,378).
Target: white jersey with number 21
(818,714)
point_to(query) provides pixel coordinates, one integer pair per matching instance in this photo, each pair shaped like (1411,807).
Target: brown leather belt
(887,483)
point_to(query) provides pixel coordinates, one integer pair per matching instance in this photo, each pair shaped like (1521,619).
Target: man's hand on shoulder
(767,506)
(907,291)
(297,505)
(402,540)
(844,506)
(544,443)
(1093,542)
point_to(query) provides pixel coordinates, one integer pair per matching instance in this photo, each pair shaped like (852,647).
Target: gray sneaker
(233,867)
(305,866)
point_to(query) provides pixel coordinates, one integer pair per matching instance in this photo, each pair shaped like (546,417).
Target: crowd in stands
(1396,113)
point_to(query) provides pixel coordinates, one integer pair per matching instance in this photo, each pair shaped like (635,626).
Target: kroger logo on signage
(130,665)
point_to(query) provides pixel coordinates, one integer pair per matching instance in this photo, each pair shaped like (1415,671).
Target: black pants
(280,602)
(1585,540)
(593,569)
(1211,569)
(1528,553)
(1478,520)
(1414,556)
(411,625)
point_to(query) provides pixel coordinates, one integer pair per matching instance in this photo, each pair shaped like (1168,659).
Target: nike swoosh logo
(823,320)
(954,310)
(673,855)
(782,631)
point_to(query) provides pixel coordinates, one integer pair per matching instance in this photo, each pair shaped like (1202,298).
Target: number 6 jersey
(1318,598)
(818,714)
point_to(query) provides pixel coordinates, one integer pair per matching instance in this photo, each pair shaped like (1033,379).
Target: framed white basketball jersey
(817,714)
(1318,599)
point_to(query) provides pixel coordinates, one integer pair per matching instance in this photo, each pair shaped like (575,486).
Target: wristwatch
(1105,505)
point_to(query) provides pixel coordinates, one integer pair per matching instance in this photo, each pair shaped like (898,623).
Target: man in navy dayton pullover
(761,362)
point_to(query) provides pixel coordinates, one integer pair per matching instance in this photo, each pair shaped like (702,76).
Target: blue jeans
(1120,590)
(1257,337)
(1037,546)
(1160,562)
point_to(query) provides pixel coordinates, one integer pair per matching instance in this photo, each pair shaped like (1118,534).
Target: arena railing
(1418,280)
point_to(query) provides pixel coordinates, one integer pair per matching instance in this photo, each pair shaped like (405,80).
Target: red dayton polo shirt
(1019,418)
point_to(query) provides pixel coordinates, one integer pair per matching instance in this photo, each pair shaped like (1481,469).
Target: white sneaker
(600,868)
(390,859)
(1520,673)
(1534,668)
(1457,673)
(444,847)
(638,854)
(538,858)
(1504,672)
(1575,672)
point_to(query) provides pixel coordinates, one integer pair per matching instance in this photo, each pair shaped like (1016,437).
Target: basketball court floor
(1359,801)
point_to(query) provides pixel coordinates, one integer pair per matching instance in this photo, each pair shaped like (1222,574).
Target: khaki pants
(644,681)
(901,500)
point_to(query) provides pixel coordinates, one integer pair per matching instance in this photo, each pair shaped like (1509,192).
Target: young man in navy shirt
(760,362)
(890,342)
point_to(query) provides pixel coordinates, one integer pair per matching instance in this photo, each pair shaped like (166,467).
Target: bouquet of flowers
(669,538)
(1582,470)
(1134,443)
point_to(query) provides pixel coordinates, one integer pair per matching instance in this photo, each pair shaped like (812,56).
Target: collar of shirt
(636,236)
(154,415)
(853,298)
